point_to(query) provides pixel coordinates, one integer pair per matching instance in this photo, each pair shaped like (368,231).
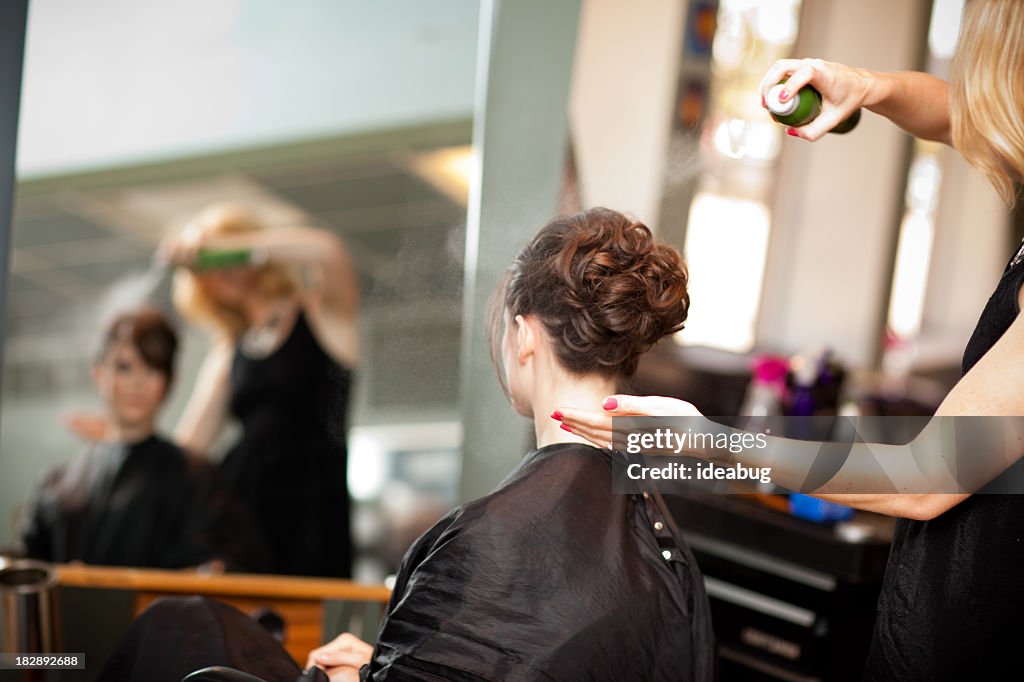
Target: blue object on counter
(813,509)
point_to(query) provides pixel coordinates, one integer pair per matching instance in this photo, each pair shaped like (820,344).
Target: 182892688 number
(17,661)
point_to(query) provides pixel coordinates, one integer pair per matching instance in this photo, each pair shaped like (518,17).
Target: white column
(624,84)
(972,245)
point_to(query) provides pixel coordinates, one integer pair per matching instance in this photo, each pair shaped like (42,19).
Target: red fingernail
(565,428)
(764,104)
(784,95)
(610,404)
(556,415)
(792,133)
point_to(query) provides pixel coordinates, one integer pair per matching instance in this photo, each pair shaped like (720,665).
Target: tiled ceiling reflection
(70,247)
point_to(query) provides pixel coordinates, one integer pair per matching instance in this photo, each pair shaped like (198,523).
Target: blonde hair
(987,91)
(191,296)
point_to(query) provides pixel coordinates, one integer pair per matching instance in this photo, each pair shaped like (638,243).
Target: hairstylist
(952,602)
(282,359)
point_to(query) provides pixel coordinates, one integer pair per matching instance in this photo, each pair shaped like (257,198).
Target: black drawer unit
(791,599)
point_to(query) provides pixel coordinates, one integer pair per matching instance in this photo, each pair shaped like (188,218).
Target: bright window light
(726,246)
(914,249)
(944,27)
(910,280)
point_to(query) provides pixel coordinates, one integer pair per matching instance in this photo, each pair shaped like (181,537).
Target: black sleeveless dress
(952,604)
(290,464)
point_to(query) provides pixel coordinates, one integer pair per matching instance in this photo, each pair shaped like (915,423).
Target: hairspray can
(211,259)
(802,108)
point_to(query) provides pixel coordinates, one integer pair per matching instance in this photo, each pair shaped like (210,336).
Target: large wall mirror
(350,117)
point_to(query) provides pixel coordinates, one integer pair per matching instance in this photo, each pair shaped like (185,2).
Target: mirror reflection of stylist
(281,362)
(952,602)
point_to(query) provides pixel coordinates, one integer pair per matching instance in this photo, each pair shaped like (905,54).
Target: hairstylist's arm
(916,102)
(206,411)
(993,388)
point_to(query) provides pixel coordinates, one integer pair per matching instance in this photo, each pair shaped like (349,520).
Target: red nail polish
(784,95)
(792,133)
(610,404)
(764,105)
(565,428)
(556,415)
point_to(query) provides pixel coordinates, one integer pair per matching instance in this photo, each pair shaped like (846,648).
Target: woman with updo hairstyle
(552,576)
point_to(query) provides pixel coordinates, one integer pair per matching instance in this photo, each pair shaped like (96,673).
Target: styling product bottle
(805,376)
(763,401)
(767,387)
(209,259)
(802,108)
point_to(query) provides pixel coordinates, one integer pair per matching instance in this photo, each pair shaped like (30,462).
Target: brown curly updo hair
(602,286)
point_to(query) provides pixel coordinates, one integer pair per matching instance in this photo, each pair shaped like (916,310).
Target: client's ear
(526,338)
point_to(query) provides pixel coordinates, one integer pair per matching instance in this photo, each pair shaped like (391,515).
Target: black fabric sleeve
(36,534)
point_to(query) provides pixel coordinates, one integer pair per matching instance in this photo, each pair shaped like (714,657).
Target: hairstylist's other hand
(89,426)
(596,425)
(341,658)
(843,90)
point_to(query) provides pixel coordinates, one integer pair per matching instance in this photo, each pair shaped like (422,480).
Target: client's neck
(131,433)
(562,389)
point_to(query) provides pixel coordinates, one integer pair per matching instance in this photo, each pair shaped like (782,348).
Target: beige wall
(620,108)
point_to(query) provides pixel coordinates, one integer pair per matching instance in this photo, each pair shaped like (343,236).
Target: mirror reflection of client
(551,576)
(134,499)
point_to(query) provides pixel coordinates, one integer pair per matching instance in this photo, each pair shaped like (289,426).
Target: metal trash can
(28,608)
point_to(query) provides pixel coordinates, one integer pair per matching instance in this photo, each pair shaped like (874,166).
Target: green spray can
(802,108)
(212,259)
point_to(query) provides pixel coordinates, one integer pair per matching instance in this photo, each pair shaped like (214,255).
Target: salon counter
(298,601)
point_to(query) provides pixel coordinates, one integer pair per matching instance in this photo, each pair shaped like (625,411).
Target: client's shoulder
(551,489)
(548,479)
(561,461)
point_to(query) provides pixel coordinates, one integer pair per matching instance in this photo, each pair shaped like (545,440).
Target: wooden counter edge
(237,584)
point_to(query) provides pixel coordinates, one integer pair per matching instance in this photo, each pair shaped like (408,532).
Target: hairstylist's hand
(596,425)
(843,90)
(180,249)
(341,658)
(89,426)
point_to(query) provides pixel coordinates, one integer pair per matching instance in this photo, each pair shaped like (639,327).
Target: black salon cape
(139,504)
(550,577)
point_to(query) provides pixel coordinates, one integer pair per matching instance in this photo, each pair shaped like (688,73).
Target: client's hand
(341,658)
(596,425)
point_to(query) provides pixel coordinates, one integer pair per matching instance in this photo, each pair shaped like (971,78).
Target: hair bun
(605,289)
